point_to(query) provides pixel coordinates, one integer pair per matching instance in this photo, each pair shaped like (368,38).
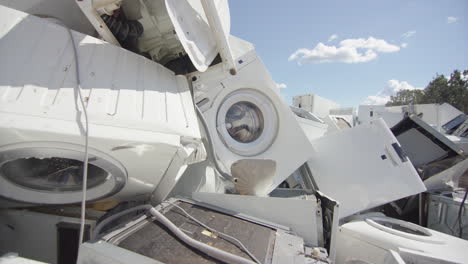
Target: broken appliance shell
(423,143)
(142,125)
(139,241)
(439,161)
(313,126)
(315,104)
(249,98)
(198,28)
(67,12)
(380,239)
(303,213)
(49,235)
(443,211)
(369,113)
(436,115)
(362,167)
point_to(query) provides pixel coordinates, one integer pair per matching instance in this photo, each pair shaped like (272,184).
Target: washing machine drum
(55,175)
(247,122)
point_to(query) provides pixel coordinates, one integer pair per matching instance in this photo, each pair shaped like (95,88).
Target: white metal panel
(368,113)
(437,114)
(298,214)
(140,113)
(288,249)
(369,241)
(434,114)
(315,104)
(446,113)
(118,85)
(311,128)
(360,169)
(32,234)
(443,214)
(193,29)
(105,253)
(66,11)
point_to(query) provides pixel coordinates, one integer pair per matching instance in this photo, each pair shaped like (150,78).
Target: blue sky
(372,60)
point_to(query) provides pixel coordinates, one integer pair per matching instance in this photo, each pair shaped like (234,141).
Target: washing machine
(143,129)
(381,239)
(252,128)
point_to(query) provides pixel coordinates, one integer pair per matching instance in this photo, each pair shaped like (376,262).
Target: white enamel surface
(347,166)
(312,129)
(194,32)
(138,110)
(360,240)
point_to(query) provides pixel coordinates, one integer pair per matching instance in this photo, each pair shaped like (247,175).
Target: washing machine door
(247,122)
(54,175)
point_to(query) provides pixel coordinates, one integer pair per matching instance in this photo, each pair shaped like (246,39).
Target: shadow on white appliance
(142,126)
(380,239)
(248,120)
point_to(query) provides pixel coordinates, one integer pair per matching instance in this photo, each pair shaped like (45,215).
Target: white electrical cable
(86,136)
(239,243)
(101,225)
(207,249)
(210,144)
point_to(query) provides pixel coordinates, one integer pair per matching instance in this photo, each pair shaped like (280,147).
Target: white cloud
(452,19)
(280,85)
(391,88)
(371,43)
(332,37)
(408,34)
(348,51)
(404,45)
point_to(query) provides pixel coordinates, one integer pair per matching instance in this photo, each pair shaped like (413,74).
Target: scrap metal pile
(147,133)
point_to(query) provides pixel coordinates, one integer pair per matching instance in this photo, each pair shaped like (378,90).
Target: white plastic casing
(371,240)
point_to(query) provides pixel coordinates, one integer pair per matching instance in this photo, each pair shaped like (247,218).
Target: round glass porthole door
(244,122)
(52,174)
(47,175)
(247,122)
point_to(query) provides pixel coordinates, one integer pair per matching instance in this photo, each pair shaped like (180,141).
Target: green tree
(405,97)
(440,90)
